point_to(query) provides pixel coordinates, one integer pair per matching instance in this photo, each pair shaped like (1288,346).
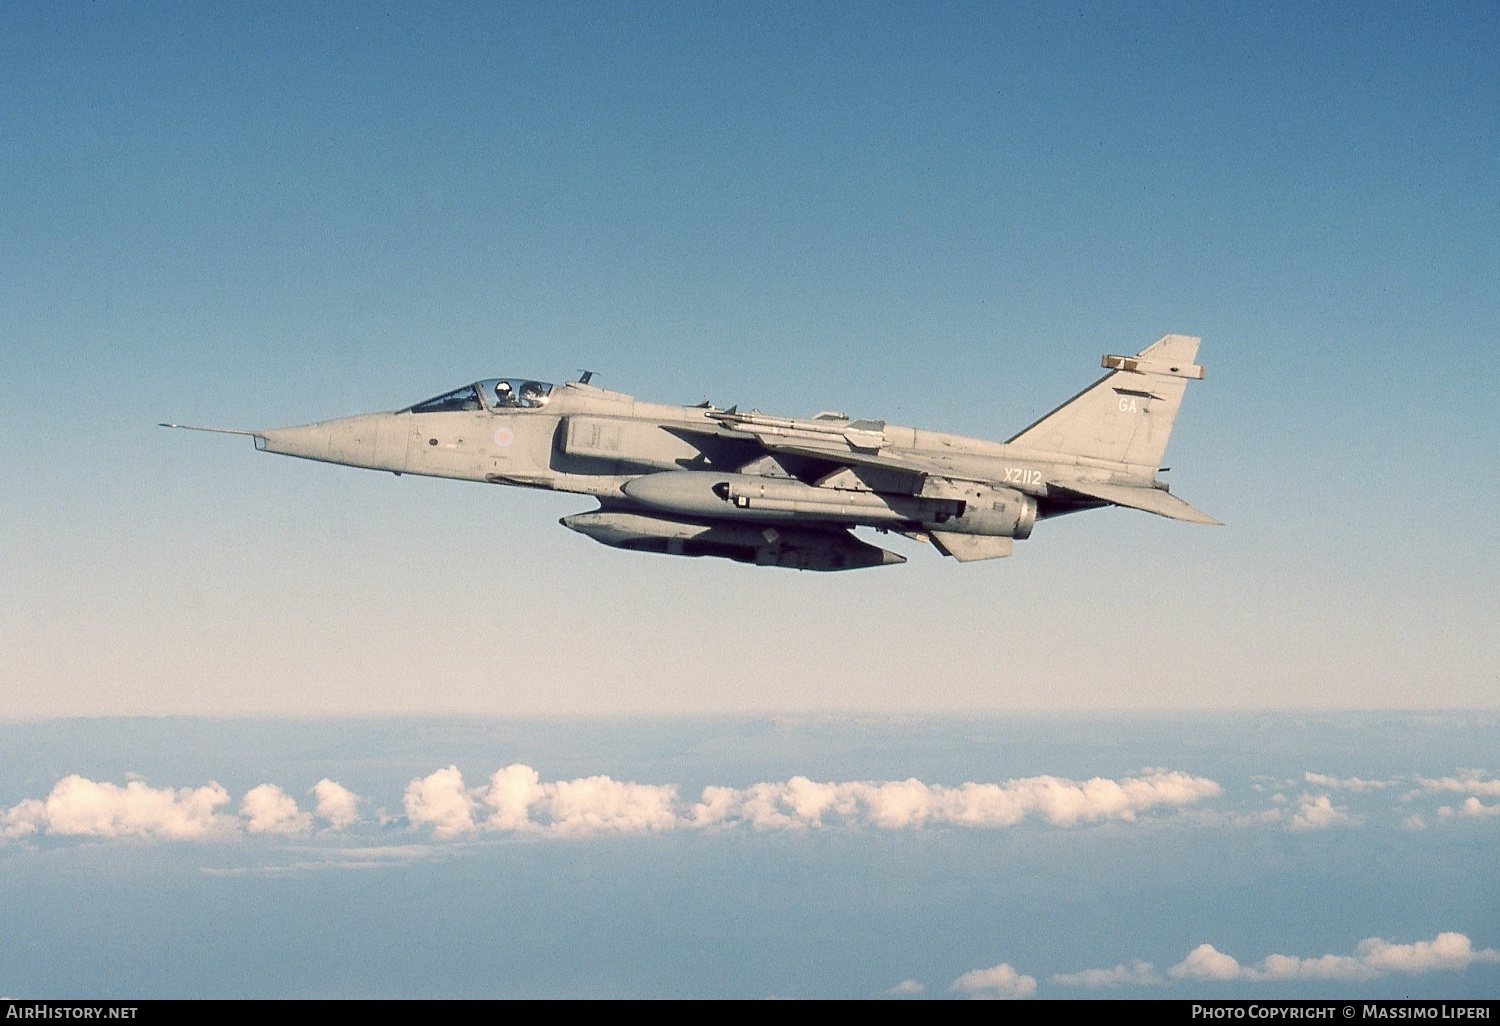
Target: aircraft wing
(850,443)
(854,458)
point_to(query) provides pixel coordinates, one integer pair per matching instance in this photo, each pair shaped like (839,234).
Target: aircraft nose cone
(310,441)
(375,440)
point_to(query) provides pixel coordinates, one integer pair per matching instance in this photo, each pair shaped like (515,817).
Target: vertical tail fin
(1126,416)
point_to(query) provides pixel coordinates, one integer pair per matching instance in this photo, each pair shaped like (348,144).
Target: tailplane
(1126,416)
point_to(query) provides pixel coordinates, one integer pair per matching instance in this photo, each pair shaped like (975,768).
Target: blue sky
(937,216)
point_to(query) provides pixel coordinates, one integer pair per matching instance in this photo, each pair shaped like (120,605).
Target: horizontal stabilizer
(1152,500)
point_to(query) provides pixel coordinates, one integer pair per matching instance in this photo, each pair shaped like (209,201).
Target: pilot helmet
(502,391)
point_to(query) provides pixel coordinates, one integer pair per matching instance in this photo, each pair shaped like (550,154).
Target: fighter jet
(780,491)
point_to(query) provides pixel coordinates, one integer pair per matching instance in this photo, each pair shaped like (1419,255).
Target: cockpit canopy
(490,394)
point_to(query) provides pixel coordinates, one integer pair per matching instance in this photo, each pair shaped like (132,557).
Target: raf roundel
(504,436)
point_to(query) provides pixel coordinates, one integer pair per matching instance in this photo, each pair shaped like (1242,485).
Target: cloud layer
(1465,782)
(1471,807)
(79,807)
(1354,784)
(1000,982)
(1317,809)
(1136,974)
(1317,812)
(1372,958)
(517,800)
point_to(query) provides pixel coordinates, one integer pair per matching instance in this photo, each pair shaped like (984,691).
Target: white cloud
(80,807)
(26,817)
(1000,982)
(512,790)
(270,810)
(1136,974)
(1466,782)
(1324,967)
(522,803)
(1346,783)
(336,804)
(441,801)
(1373,957)
(588,805)
(1205,962)
(1445,951)
(384,852)
(1316,812)
(906,987)
(800,803)
(1474,807)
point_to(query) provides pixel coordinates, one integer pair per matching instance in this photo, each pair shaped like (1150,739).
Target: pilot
(503,396)
(533,395)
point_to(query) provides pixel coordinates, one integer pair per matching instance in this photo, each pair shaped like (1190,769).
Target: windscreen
(465,398)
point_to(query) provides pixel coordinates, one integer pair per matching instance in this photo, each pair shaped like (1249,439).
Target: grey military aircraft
(780,491)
